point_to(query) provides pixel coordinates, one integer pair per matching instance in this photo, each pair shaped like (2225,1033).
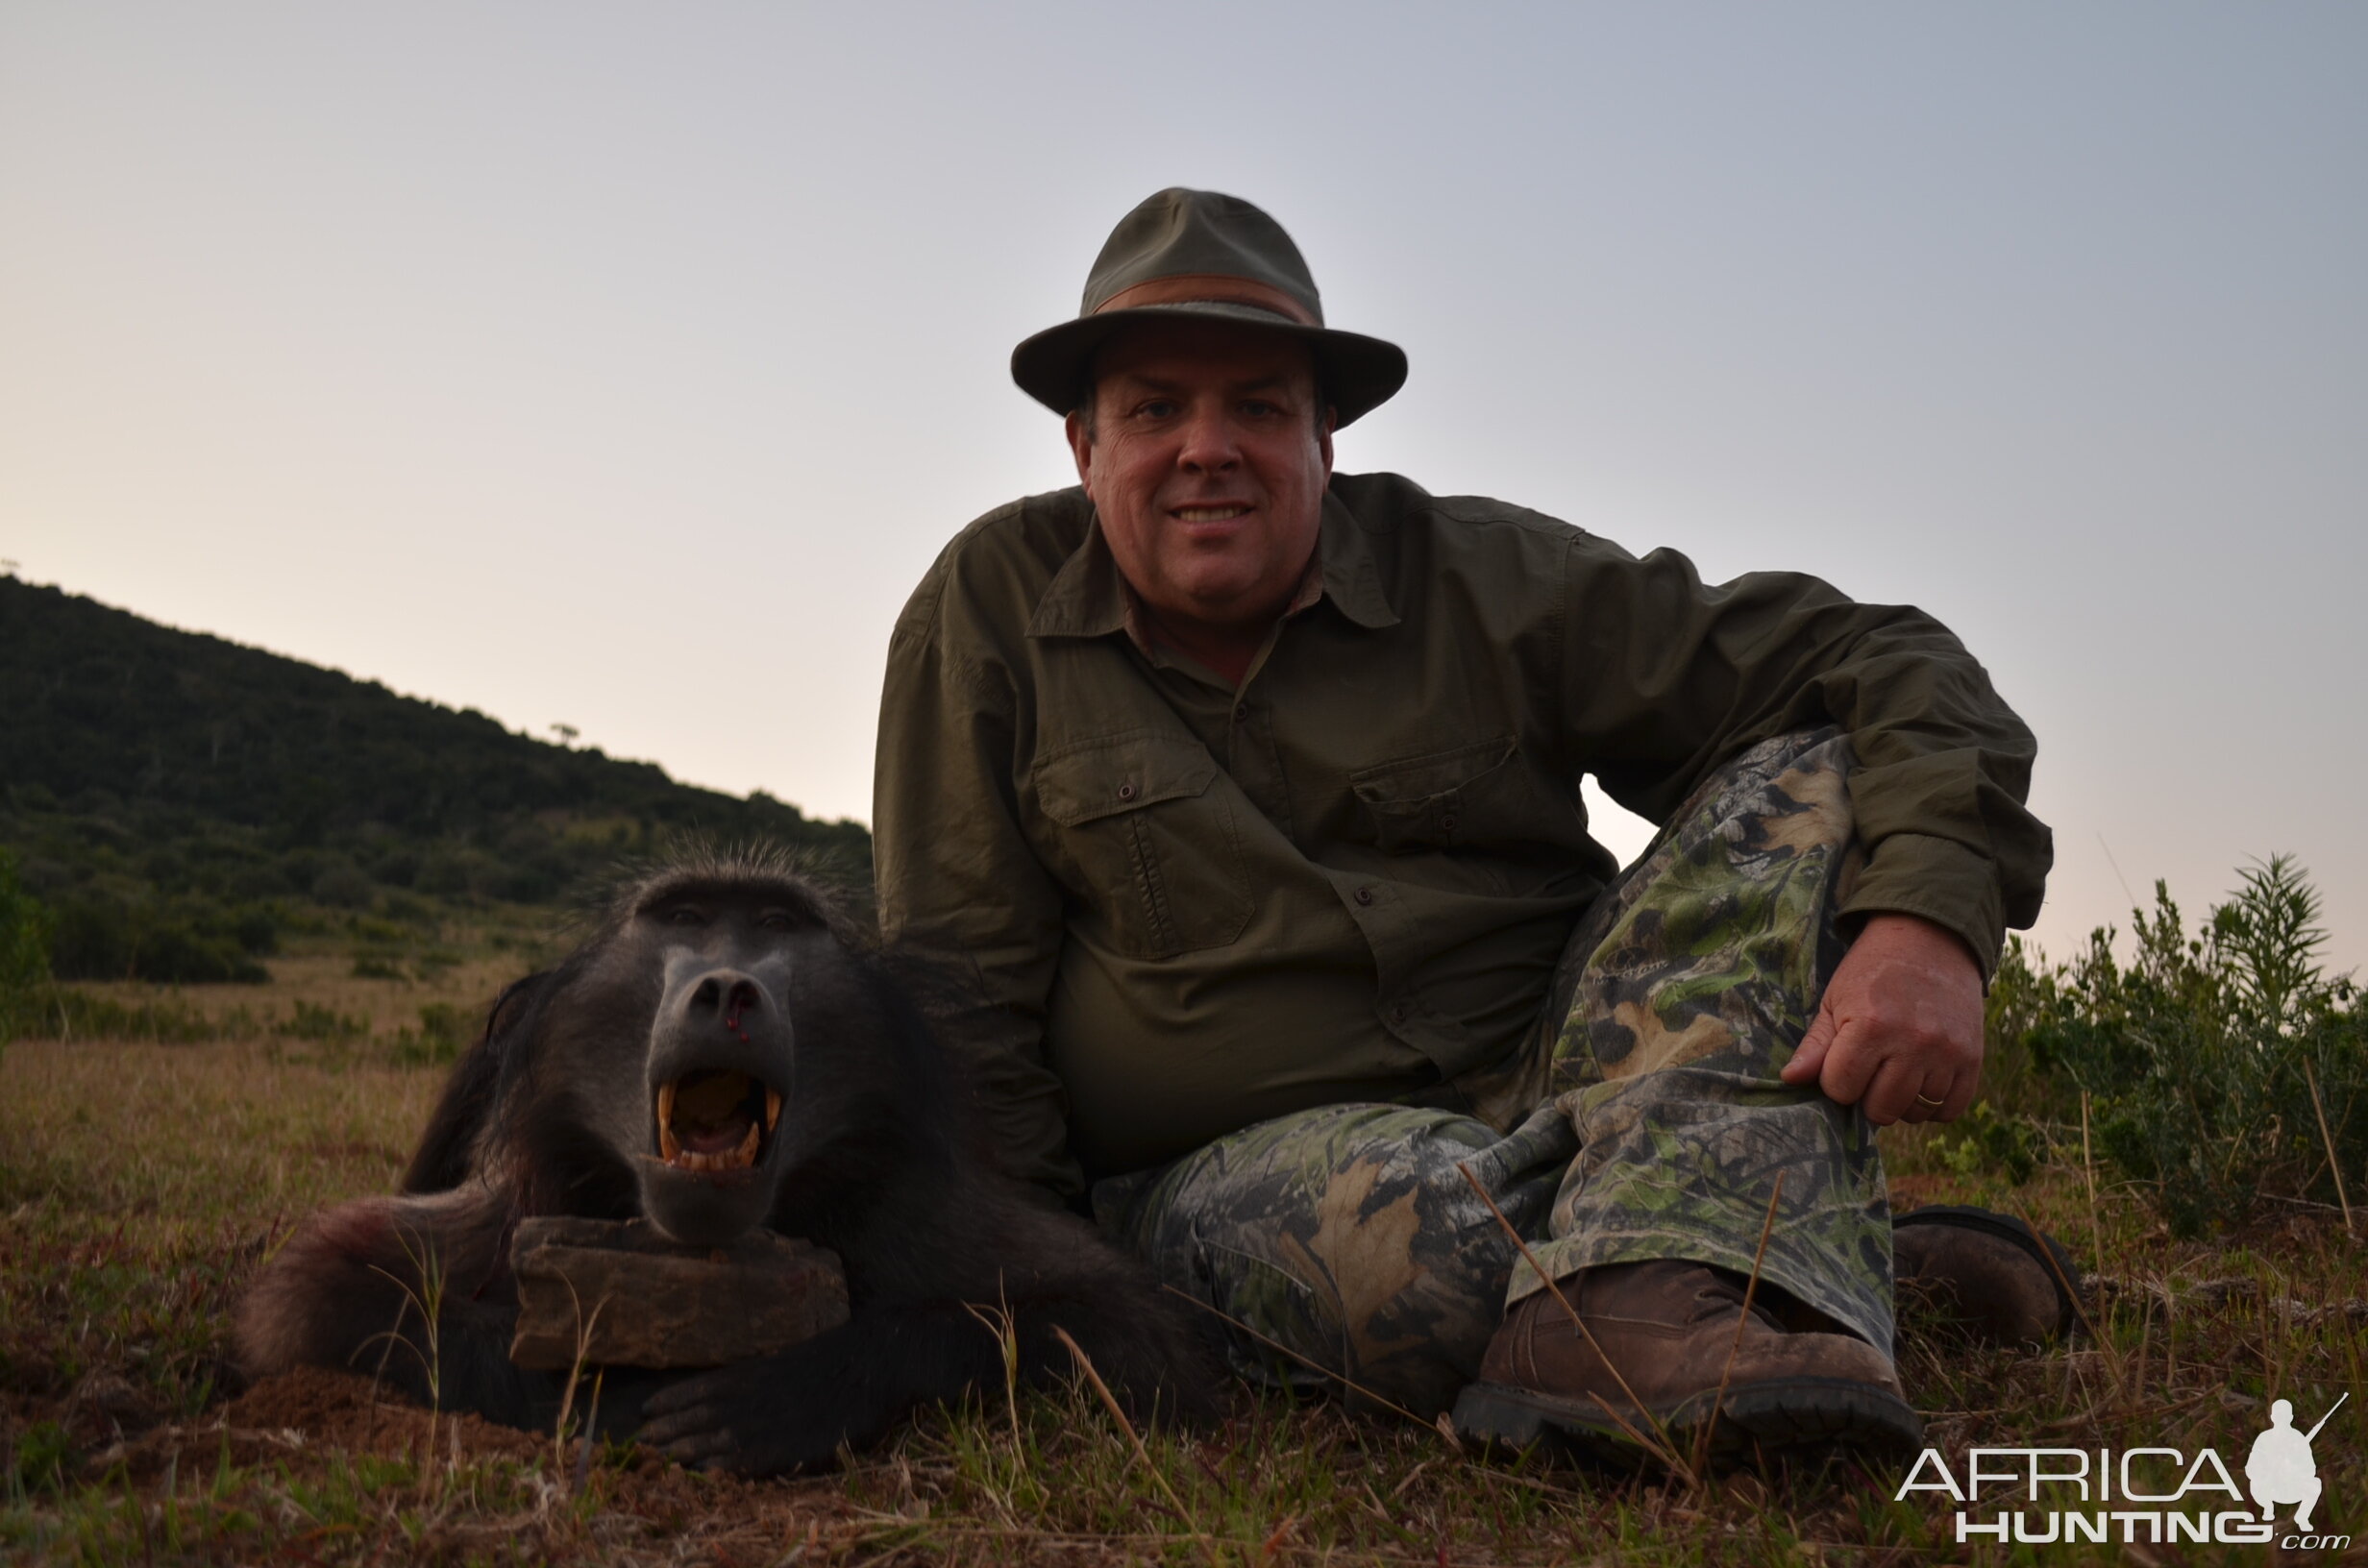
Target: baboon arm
(354,1287)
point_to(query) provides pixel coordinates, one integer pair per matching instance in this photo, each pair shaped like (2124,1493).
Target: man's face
(1207,461)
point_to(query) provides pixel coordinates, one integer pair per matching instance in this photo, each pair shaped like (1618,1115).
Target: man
(2281,1469)
(1249,793)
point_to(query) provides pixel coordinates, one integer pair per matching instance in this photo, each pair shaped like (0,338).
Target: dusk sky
(624,366)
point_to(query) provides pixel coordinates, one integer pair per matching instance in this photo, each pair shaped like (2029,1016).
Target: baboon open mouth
(715,1119)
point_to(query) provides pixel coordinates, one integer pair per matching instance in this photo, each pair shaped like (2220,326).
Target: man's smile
(1223,513)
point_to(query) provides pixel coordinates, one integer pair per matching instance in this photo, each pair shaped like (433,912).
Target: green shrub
(78,1014)
(342,885)
(24,954)
(410,911)
(178,942)
(1987,1140)
(2209,1059)
(322,1025)
(256,930)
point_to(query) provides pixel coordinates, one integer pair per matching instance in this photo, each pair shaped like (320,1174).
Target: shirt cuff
(1938,880)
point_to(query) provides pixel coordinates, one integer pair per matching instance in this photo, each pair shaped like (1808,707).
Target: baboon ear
(441,1162)
(510,1010)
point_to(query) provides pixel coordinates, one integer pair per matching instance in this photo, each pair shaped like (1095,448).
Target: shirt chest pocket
(1147,826)
(1441,798)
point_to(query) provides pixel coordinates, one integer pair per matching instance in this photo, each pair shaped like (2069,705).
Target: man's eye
(1156,409)
(1260,408)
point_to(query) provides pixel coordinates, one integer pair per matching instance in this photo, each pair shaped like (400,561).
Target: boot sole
(1761,1420)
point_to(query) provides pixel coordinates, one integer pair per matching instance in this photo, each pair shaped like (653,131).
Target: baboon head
(711,1039)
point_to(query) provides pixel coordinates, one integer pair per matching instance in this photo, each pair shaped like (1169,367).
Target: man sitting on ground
(1249,793)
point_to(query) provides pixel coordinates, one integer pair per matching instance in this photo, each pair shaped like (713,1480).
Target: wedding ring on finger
(1929,1103)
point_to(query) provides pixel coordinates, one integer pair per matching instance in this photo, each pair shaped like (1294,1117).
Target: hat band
(1210,288)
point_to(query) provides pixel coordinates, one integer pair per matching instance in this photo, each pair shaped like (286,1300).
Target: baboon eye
(774,920)
(685,915)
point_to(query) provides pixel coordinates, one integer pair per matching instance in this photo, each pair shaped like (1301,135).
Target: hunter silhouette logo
(2281,1469)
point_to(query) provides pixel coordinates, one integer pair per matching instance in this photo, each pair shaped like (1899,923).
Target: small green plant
(443,1034)
(1989,1140)
(2225,1068)
(322,1025)
(42,1452)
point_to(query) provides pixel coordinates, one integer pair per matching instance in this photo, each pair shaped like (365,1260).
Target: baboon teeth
(669,1146)
(740,1159)
(743,1156)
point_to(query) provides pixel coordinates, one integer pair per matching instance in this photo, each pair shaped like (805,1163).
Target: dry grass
(139,1183)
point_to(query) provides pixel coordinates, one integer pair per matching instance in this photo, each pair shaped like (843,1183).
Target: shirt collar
(1088,597)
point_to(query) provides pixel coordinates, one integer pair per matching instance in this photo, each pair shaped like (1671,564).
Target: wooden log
(620,1294)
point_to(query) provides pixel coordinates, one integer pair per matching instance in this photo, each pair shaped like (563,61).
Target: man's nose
(1211,443)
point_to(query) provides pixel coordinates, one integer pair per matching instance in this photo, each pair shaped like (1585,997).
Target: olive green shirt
(1188,907)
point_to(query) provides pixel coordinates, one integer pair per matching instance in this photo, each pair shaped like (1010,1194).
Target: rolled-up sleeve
(1670,676)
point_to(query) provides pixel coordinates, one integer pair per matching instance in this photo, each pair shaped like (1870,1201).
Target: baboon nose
(731,999)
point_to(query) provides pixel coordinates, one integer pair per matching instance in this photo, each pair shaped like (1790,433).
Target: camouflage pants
(1346,1238)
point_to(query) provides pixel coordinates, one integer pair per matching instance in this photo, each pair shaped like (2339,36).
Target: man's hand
(1899,1033)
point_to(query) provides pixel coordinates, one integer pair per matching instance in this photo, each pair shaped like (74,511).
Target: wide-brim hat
(1197,252)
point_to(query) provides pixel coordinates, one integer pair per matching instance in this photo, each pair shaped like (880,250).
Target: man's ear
(1323,441)
(1082,444)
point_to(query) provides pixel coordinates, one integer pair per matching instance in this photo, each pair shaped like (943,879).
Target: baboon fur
(874,1157)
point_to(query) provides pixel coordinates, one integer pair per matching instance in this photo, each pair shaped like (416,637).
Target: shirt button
(1398,1011)
(1241,713)
(1127,791)
(1447,823)
(1364,895)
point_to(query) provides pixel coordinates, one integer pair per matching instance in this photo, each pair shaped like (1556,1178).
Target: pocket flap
(1124,773)
(1411,781)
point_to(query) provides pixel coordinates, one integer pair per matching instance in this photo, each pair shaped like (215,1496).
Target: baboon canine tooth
(772,1110)
(669,1146)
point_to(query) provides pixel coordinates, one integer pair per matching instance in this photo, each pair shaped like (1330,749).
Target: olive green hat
(1195,253)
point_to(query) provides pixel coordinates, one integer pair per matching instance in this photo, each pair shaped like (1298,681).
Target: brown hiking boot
(1986,1276)
(1663,1333)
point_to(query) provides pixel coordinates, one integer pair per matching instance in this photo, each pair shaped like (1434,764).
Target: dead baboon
(724,1053)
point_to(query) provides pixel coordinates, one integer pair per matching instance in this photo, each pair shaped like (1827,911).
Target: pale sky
(626,365)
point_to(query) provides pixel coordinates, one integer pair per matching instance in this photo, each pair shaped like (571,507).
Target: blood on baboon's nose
(731,1000)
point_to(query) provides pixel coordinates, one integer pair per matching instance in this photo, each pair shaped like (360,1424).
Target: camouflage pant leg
(1695,980)
(1349,1236)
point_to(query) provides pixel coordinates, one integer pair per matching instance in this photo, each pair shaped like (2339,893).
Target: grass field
(141,1181)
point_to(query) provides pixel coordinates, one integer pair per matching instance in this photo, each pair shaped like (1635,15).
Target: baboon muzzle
(720,1058)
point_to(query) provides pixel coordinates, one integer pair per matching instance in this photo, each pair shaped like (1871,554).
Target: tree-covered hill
(174,797)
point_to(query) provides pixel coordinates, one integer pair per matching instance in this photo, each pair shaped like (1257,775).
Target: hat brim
(1359,373)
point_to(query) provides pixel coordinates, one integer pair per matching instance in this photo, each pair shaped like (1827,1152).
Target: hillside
(176,799)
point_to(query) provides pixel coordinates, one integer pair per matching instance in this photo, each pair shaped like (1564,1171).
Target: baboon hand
(757,1418)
